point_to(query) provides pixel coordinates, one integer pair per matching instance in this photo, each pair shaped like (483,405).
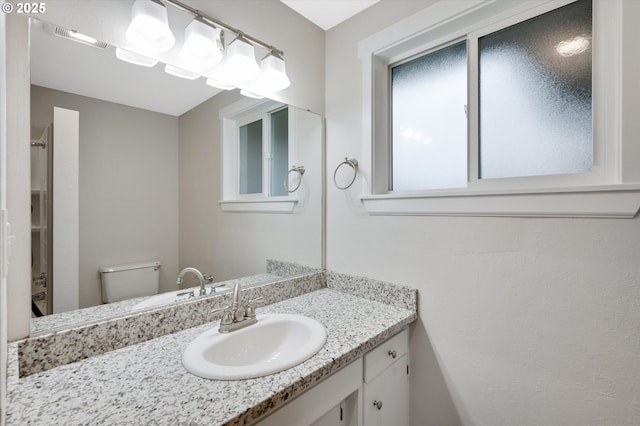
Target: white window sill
(614,201)
(266,205)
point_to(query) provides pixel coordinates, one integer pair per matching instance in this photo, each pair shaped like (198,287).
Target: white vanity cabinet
(386,383)
(371,391)
(322,403)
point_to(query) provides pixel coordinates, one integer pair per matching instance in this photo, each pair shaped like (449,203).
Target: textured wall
(230,245)
(128,186)
(522,321)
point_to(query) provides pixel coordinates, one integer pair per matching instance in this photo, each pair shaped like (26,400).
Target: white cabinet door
(322,398)
(386,398)
(343,414)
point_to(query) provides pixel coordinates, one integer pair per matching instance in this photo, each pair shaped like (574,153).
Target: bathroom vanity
(361,370)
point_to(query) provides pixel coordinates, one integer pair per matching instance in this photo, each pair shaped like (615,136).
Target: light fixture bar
(219,24)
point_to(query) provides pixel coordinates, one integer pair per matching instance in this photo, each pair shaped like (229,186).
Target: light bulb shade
(219,84)
(134,58)
(149,28)
(250,94)
(240,64)
(273,75)
(200,47)
(179,72)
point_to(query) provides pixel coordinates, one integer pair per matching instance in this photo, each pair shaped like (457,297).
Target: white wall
(522,321)
(66,209)
(128,201)
(229,245)
(18,176)
(3,237)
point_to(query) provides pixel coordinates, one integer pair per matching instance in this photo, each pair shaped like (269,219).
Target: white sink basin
(276,342)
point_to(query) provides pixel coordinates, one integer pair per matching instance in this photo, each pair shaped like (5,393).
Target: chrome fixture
(201,54)
(298,171)
(353,164)
(237,316)
(197,273)
(149,28)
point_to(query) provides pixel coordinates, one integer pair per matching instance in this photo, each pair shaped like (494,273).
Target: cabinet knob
(377,404)
(393,354)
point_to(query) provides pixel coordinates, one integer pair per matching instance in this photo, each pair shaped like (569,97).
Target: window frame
(550,195)
(232,118)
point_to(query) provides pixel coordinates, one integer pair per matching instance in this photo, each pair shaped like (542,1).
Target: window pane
(429,123)
(279,151)
(535,96)
(251,158)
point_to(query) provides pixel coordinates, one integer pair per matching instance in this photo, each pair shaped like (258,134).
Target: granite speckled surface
(65,320)
(289,269)
(145,383)
(400,296)
(47,351)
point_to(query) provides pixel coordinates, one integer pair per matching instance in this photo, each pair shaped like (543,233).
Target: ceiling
(76,68)
(328,13)
(71,67)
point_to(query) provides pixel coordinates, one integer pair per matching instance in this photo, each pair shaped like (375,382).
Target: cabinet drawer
(386,399)
(384,355)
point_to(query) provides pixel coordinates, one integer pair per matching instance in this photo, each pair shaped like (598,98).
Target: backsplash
(396,295)
(289,269)
(44,352)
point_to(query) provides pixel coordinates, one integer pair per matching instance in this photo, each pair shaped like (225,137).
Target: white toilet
(120,282)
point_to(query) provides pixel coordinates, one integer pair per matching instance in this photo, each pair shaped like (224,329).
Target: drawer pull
(377,404)
(393,354)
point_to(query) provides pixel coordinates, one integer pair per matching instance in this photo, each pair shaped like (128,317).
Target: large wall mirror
(142,183)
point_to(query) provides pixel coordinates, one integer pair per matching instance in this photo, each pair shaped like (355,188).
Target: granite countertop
(146,384)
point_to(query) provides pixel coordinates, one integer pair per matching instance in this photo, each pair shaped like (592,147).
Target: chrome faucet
(238,316)
(197,274)
(236,310)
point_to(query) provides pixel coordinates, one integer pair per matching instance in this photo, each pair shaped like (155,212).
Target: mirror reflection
(126,189)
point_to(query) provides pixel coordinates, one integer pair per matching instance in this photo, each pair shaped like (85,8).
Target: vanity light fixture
(200,47)
(204,48)
(179,72)
(273,76)
(219,85)
(134,58)
(240,65)
(573,46)
(250,94)
(149,28)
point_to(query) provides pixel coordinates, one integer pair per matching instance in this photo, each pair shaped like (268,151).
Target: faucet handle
(227,318)
(214,286)
(250,311)
(186,292)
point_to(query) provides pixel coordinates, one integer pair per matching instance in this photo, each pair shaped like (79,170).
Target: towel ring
(300,170)
(351,162)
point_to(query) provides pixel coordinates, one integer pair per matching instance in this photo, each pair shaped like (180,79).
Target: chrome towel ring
(351,162)
(299,170)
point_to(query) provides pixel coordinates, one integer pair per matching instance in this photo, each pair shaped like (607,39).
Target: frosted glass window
(535,95)
(429,123)
(251,158)
(279,151)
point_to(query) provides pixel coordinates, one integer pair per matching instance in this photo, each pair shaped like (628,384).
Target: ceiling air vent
(75,36)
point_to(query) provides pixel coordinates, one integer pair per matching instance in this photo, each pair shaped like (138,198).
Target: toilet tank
(120,282)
